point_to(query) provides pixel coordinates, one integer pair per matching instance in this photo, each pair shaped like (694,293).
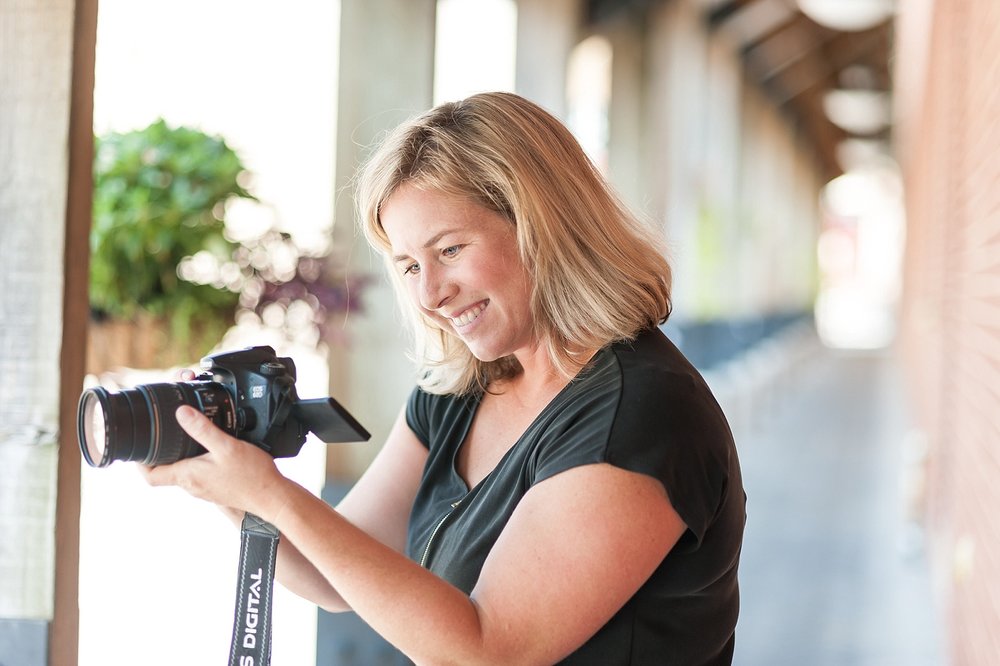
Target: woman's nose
(435,289)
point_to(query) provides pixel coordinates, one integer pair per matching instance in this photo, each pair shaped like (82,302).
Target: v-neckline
(476,401)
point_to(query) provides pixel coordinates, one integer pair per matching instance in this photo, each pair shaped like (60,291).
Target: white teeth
(469,315)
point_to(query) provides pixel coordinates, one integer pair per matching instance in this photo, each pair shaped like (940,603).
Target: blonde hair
(600,275)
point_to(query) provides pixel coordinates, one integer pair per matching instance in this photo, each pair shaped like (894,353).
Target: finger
(201,429)
(145,472)
(157,476)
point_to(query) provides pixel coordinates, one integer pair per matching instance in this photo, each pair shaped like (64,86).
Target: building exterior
(713,129)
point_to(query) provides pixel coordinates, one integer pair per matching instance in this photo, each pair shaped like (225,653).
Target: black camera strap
(252,625)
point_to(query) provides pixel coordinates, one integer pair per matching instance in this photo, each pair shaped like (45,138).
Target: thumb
(201,429)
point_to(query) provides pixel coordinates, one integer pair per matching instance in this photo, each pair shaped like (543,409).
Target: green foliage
(160,196)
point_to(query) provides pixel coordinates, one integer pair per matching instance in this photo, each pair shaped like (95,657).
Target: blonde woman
(561,487)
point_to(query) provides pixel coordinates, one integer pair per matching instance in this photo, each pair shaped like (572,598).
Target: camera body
(262,386)
(249,393)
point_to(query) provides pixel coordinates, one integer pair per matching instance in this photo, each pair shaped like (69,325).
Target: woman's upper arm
(577,548)
(381,501)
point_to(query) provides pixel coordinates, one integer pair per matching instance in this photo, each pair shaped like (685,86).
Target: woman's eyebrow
(433,240)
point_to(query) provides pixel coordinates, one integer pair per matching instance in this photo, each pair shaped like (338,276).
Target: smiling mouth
(469,315)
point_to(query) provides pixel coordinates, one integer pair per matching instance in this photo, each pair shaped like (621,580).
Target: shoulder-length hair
(600,275)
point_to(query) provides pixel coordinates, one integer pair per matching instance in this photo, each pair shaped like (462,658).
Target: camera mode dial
(272,369)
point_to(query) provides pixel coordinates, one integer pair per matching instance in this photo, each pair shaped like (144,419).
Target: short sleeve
(676,433)
(435,419)
(647,411)
(578,434)
(418,415)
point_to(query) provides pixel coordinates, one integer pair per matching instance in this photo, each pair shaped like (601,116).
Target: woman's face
(460,264)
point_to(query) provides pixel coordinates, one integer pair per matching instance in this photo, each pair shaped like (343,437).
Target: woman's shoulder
(666,416)
(655,373)
(652,351)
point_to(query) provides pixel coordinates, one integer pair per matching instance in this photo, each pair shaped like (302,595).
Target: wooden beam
(841,52)
(724,11)
(64,637)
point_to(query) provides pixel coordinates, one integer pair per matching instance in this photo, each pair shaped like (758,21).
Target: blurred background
(176,179)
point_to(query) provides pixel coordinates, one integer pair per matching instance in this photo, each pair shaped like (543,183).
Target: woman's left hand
(232,474)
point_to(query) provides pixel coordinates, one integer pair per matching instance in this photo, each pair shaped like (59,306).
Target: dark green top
(640,406)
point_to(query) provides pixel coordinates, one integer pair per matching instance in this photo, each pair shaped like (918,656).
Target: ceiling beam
(844,50)
(724,11)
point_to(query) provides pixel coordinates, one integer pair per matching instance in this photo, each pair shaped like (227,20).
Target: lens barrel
(138,424)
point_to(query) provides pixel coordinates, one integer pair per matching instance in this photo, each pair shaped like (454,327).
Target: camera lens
(138,424)
(94,434)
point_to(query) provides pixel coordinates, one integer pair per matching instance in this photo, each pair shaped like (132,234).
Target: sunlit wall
(948,140)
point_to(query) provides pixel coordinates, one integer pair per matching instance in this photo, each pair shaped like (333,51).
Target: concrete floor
(833,572)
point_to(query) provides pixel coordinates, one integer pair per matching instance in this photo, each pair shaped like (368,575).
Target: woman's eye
(451,251)
(412,269)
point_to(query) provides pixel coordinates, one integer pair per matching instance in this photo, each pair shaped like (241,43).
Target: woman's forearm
(428,619)
(297,574)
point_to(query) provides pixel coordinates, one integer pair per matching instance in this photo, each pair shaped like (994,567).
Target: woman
(562,486)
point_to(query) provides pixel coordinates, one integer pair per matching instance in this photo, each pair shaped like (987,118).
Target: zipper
(430,540)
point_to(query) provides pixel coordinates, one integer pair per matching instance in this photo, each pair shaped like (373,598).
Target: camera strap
(252,625)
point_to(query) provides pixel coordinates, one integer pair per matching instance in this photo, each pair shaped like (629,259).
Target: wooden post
(64,633)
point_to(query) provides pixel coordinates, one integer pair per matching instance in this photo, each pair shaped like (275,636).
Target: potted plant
(165,280)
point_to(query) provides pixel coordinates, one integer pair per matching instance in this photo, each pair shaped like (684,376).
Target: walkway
(832,573)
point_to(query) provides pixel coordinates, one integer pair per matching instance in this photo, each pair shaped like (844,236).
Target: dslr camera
(249,394)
